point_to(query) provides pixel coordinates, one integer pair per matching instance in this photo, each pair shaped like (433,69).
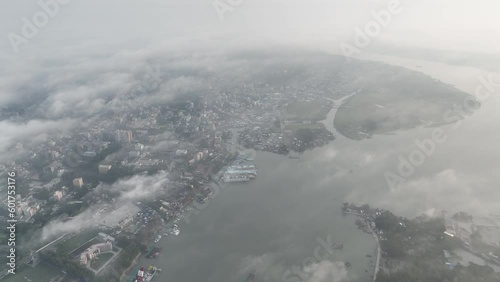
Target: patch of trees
(394,247)
(389,223)
(417,246)
(68,264)
(41,218)
(43,194)
(422,236)
(130,250)
(309,138)
(70,209)
(283,149)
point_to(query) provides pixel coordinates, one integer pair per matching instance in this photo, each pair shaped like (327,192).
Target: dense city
(119,183)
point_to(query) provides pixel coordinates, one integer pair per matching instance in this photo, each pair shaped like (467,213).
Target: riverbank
(133,265)
(368,223)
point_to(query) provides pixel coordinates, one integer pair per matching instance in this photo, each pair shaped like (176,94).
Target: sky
(447,24)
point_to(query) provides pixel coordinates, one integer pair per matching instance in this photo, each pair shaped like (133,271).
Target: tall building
(128,135)
(124,136)
(78,182)
(58,195)
(93,251)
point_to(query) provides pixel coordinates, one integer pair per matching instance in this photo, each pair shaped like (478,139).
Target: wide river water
(273,223)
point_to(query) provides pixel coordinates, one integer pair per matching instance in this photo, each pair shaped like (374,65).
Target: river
(269,224)
(273,223)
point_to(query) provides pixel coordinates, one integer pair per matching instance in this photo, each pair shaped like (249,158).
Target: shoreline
(379,252)
(135,261)
(375,236)
(359,261)
(213,181)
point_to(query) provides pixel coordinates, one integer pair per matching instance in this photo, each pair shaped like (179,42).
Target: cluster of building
(239,173)
(469,229)
(191,141)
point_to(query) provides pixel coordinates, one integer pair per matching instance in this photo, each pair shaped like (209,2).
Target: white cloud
(325,271)
(131,190)
(29,132)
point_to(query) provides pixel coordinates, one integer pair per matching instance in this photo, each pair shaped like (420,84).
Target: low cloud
(140,187)
(29,133)
(325,271)
(75,224)
(129,190)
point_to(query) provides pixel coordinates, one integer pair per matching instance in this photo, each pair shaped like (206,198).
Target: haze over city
(234,140)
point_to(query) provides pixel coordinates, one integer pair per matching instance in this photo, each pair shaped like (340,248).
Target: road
(379,251)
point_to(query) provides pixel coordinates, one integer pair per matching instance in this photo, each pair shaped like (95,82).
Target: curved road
(379,252)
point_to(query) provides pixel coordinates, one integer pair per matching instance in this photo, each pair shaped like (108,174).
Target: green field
(77,240)
(100,260)
(308,110)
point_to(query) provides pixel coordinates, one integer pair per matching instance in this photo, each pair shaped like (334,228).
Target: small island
(429,248)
